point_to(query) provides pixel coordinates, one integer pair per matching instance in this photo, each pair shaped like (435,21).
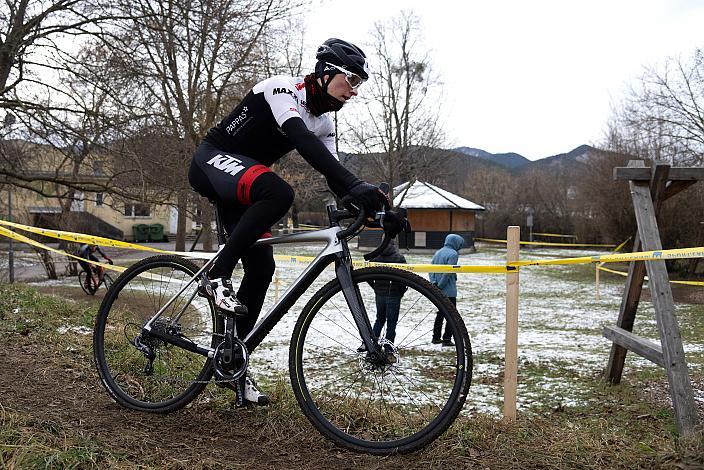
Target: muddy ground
(60,389)
(53,385)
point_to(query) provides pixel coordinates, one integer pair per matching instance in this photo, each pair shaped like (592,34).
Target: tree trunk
(206,222)
(294,215)
(181,207)
(48,263)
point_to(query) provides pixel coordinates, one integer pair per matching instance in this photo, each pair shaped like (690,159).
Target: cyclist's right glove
(369,196)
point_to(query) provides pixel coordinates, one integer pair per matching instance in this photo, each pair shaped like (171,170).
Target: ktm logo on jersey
(282,90)
(226,163)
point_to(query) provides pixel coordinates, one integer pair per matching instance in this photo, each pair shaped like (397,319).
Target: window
(137,210)
(98,199)
(78,202)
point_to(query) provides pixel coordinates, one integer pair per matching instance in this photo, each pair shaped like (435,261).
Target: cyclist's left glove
(110,261)
(395,222)
(369,196)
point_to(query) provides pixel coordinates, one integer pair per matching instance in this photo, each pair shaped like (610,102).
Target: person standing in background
(447,282)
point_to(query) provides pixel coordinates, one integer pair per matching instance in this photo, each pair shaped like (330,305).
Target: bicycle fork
(343,270)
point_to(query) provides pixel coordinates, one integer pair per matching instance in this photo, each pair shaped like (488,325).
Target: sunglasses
(352,78)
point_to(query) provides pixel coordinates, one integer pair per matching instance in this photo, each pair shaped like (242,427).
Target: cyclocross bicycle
(158,343)
(91,283)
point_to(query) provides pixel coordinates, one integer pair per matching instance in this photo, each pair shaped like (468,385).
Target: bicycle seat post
(219,225)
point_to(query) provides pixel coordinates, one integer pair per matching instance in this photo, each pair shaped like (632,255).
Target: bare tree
(664,115)
(400,121)
(186,59)
(29,31)
(143,92)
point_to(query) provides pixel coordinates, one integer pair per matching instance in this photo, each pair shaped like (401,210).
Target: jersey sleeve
(328,138)
(283,102)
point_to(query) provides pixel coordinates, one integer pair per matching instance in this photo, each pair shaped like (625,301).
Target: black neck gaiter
(318,99)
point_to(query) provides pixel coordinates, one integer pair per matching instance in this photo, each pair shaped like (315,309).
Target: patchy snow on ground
(560,324)
(80,330)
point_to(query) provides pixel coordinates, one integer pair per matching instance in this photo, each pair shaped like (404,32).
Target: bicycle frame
(336,251)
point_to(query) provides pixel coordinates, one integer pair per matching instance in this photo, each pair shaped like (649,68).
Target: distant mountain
(575,157)
(517,163)
(511,160)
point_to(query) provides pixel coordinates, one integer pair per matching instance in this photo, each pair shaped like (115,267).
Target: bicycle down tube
(335,251)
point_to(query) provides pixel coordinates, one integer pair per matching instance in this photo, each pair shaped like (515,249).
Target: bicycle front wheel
(86,283)
(107,281)
(398,403)
(141,371)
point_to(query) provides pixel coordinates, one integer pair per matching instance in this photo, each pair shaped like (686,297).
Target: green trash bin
(156,233)
(140,232)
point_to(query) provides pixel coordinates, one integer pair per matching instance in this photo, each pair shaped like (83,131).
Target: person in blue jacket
(448,254)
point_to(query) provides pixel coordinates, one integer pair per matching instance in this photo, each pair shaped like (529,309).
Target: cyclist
(87,251)
(231,167)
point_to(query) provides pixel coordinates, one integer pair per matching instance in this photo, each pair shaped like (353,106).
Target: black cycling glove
(369,196)
(395,222)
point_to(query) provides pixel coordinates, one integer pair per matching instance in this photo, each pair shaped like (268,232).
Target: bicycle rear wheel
(175,376)
(400,403)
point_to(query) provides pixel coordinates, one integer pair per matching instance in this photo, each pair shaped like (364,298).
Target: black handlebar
(354,226)
(361,219)
(379,249)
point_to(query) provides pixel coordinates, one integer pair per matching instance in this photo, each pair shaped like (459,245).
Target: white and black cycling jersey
(253,128)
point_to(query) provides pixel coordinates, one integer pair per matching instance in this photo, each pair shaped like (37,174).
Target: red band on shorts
(244,185)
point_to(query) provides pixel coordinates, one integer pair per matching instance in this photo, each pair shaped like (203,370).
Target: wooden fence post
(598,295)
(513,238)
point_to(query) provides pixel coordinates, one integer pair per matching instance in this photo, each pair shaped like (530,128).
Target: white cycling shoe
(222,293)
(251,394)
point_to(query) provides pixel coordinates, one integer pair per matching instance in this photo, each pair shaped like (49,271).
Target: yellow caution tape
(294,259)
(689,283)
(613,271)
(494,240)
(283,258)
(622,244)
(440,268)
(621,273)
(21,238)
(99,241)
(656,255)
(80,237)
(556,235)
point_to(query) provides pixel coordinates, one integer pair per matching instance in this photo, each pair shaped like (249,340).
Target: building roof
(421,195)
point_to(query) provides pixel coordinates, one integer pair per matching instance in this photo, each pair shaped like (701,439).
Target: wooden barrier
(650,187)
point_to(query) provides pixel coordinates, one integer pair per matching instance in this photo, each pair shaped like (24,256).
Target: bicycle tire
(404,428)
(128,304)
(82,281)
(108,281)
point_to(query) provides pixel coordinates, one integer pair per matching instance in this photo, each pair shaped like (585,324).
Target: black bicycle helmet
(343,54)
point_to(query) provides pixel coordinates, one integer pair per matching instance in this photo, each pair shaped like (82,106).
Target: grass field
(55,414)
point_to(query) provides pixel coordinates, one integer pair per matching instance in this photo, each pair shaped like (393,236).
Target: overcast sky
(535,77)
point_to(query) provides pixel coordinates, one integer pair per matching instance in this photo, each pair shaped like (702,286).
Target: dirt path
(70,397)
(58,386)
